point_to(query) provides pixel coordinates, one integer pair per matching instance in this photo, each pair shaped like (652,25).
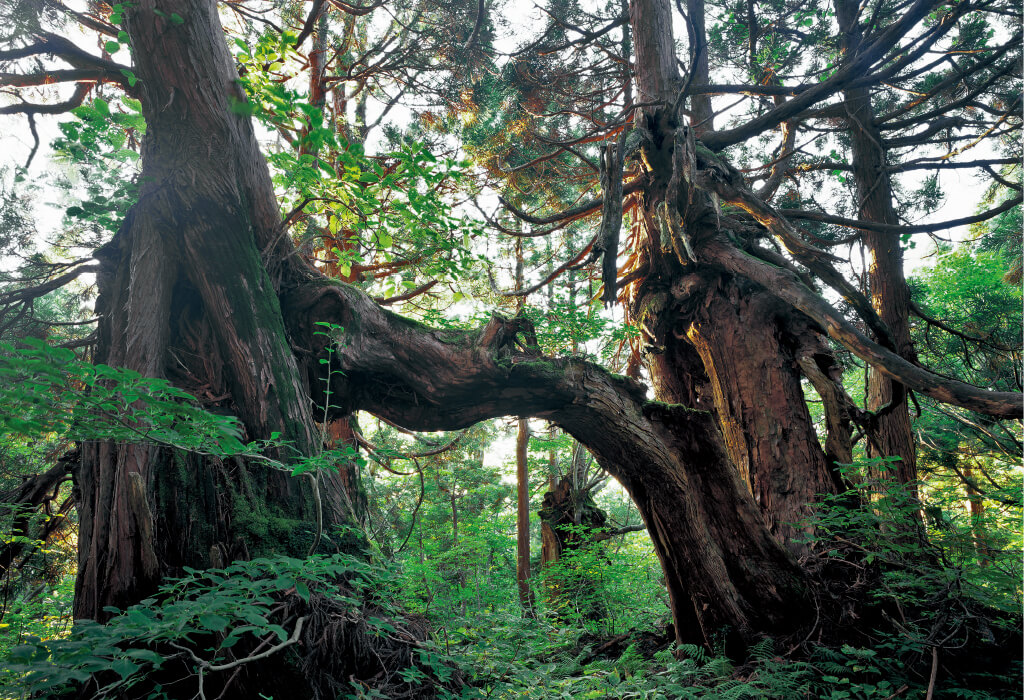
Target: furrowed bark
(185,295)
(739,334)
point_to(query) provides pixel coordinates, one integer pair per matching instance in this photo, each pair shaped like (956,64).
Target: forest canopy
(508,349)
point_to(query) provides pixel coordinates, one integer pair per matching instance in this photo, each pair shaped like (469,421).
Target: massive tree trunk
(714,342)
(185,294)
(748,354)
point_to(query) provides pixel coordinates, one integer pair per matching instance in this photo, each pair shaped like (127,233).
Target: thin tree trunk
(523,518)
(891,435)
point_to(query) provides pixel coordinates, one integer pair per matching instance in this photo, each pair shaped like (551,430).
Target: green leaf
(213,622)
(124,667)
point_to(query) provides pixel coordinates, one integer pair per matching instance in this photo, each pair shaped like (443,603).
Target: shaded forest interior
(472,349)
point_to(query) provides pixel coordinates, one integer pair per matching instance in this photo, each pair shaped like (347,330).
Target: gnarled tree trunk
(723,567)
(185,294)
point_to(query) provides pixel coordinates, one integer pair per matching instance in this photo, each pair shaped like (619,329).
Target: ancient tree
(203,285)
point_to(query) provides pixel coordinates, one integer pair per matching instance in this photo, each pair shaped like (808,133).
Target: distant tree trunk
(891,434)
(702,115)
(569,521)
(976,513)
(523,518)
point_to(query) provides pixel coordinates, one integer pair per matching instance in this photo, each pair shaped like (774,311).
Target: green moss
(540,366)
(265,527)
(662,410)
(266,531)
(652,306)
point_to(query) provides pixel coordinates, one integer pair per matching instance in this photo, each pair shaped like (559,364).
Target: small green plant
(195,620)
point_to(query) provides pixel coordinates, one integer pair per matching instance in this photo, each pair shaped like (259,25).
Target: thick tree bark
(740,336)
(185,294)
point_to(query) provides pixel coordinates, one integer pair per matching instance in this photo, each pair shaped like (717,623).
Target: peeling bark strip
(612,161)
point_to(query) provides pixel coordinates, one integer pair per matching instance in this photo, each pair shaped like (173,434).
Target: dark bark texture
(185,295)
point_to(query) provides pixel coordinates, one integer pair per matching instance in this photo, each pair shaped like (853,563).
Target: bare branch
(576,212)
(900,229)
(60,108)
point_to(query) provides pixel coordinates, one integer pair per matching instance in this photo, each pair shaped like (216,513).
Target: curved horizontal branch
(25,294)
(66,50)
(430,379)
(921,164)
(609,534)
(576,212)
(824,218)
(74,75)
(786,286)
(76,100)
(411,294)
